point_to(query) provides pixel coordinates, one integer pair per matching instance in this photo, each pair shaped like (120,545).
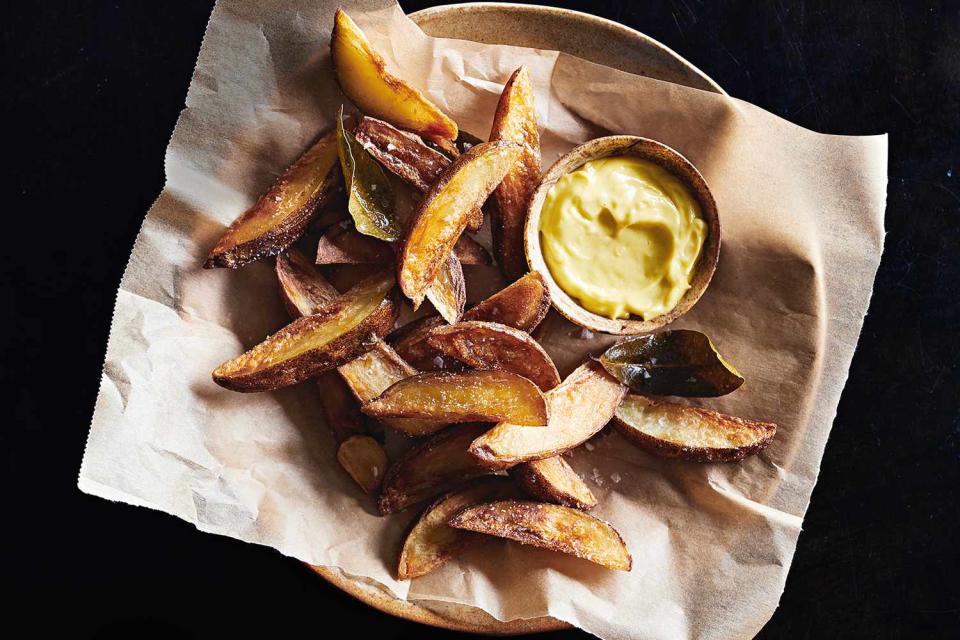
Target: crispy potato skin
(363,77)
(302,289)
(553,480)
(364,459)
(246,374)
(488,345)
(579,408)
(442,216)
(549,526)
(515,120)
(522,305)
(470,396)
(430,543)
(435,466)
(284,212)
(745,437)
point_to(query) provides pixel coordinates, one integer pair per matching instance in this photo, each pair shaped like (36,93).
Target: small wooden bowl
(670,160)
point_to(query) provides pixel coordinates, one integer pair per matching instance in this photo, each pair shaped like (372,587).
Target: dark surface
(93,90)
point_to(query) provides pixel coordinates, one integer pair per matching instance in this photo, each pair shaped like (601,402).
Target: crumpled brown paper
(802,217)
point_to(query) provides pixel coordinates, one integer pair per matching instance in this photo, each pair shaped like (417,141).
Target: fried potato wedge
(579,408)
(337,332)
(302,288)
(431,468)
(363,76)
(442,216)
(471,253)
(690,433)
(372,373)
(283,213)
(471,396)
(409,158)
(431,543)
(488,345)
(403,154)
(304,291)
(554,480)
(341,245)
(522,305)
(515,120)
(365,460)
(340,409)
(549,526)
(448,291)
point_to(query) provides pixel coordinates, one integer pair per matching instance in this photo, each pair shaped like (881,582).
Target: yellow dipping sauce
(622,235)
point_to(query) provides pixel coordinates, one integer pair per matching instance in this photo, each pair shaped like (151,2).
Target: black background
(92,92)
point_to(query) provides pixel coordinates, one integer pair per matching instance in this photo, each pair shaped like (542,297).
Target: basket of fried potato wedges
(488,417)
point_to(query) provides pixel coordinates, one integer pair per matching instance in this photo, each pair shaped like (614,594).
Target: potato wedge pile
(487,418)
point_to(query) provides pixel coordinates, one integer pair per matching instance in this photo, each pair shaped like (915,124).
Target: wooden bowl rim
(662,155)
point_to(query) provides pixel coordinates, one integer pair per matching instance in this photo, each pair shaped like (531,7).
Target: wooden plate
(595,39)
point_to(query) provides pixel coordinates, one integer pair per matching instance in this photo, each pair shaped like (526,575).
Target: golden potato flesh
(338,332)
(677,431)
(549,526)
(363,76)
(431,542)
(471,396)
(442,216)
(283,213)
(579,408)
(372,373)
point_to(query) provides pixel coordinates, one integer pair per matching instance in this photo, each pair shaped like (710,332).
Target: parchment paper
(802,217)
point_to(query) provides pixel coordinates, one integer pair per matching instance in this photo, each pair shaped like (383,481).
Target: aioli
(622,236)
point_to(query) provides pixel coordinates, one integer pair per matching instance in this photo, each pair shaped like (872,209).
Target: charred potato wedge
(690,433)
(471,396)
(442,216)
(471,253)
(409,158)
(488,345)
(372,373)
(365,460)
(522,305)
(549,526)
(339,331)
(431,468)
(579,408)
(363,76)
(553,480)
(302,289)
(515,120)
(430,543)
(283,213)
